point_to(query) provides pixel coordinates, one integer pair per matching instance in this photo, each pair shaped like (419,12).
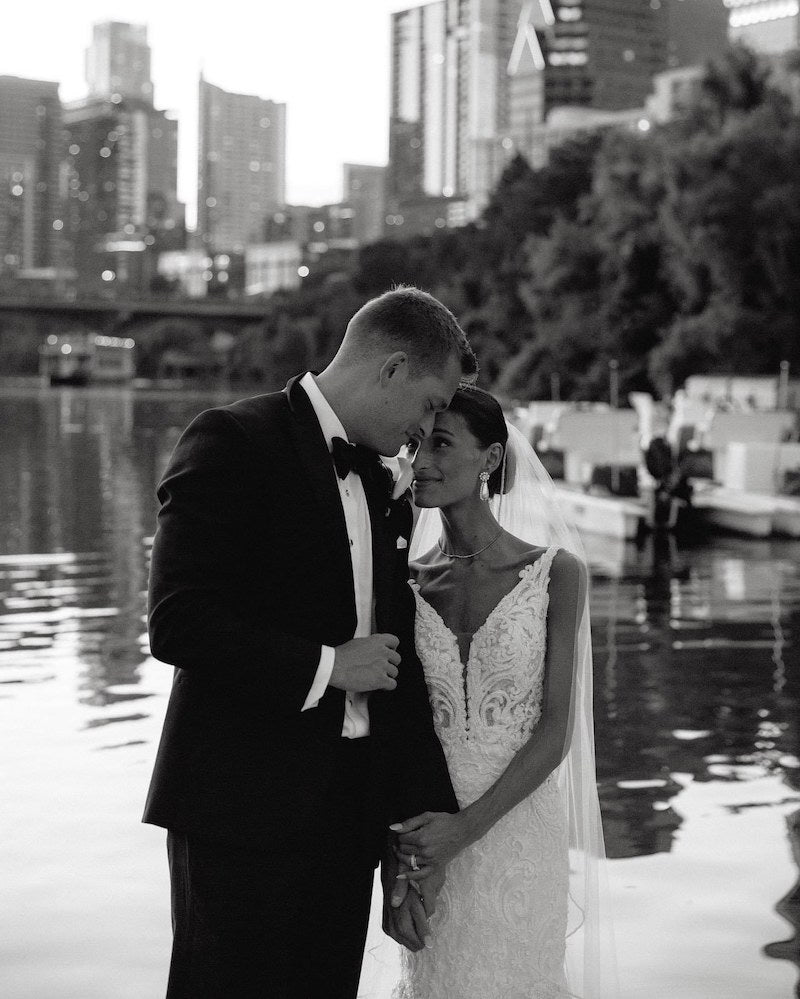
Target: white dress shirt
(356,515)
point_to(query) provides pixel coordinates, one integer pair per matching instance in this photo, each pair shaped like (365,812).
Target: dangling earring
(484,492)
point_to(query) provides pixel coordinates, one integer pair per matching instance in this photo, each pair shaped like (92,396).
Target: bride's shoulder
(522,553)
(568,575)
(422,561)
(425,564)
(565,568)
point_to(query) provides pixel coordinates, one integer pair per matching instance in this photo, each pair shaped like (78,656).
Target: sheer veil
(529,509)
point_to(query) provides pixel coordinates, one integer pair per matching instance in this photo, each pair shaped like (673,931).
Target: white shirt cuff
(323,675)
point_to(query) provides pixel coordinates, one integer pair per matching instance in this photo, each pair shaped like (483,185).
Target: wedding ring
(414,864)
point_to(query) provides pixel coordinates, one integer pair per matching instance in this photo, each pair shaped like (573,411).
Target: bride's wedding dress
(501,921)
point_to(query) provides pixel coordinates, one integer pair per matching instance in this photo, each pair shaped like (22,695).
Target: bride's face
(448,463)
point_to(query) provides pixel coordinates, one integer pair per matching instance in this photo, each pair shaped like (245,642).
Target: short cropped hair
(406,318)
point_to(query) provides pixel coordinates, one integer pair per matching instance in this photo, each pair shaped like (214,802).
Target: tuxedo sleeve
(321,678)
(210,497)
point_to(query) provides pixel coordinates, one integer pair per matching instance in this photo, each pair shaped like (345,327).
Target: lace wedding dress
(501,920)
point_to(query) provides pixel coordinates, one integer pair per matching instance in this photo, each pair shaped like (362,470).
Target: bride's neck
(466,527)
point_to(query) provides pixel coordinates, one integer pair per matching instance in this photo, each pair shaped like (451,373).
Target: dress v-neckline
(523,576)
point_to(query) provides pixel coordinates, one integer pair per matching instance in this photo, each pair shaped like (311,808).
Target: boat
(748,493)
(757,515)
(81,358)
(737,463)
(617,516)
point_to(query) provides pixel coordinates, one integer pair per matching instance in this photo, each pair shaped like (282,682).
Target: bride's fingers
(410,824)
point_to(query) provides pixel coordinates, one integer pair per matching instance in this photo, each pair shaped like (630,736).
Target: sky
(328,60)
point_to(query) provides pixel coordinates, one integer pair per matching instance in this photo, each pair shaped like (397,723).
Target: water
(697,690)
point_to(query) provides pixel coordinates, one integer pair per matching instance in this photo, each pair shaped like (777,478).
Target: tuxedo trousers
(251,922)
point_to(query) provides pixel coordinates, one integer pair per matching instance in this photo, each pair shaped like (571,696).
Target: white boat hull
(614,516)
(758,515)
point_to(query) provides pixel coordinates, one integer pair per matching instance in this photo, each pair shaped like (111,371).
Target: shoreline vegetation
(665,253)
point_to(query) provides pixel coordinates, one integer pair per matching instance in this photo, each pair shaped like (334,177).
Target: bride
(502,631)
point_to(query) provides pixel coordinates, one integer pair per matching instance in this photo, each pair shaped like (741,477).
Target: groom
(298,727)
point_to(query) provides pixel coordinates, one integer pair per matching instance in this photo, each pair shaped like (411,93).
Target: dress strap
(538,572)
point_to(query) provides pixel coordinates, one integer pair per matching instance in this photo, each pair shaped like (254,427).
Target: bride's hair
(484,417)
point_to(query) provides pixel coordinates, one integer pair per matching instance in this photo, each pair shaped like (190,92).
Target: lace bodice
(487,709)
(500,923)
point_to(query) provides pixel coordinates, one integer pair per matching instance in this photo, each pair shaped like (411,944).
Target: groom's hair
(406,318)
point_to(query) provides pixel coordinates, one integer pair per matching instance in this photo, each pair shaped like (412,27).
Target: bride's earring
(484,493)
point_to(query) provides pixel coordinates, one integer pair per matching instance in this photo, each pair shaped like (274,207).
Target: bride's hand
(429,841)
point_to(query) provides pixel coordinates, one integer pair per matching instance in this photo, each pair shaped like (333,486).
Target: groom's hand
(405,921)
(408,925)
(365,664)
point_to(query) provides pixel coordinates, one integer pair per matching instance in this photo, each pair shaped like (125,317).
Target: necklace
(469,554)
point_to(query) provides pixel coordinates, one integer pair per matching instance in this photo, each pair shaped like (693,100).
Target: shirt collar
(329,422)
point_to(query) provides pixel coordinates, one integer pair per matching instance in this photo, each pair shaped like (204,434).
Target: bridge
(114,316)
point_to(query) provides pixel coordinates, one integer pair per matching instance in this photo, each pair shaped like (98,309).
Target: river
(697,689)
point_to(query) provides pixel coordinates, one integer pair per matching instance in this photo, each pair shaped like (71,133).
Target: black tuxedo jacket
(250,576)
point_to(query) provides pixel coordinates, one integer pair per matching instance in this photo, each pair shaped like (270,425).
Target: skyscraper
(241,167)
(600,56)
(697,31)
(122,161)
(604,53)
(30,163)
(473,80)
(770,27)
(449,103)
(118,61)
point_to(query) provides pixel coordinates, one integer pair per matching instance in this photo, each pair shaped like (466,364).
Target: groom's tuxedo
(251,575)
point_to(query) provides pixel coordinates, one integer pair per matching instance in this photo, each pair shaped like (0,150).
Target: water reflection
(696,654)
(79,470)
(691,656)
(789,905)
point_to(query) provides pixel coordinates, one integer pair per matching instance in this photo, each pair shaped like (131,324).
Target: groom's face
(409,402)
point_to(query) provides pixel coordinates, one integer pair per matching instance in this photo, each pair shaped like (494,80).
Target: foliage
(670,252)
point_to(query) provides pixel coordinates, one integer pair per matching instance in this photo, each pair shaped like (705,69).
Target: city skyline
(308,62)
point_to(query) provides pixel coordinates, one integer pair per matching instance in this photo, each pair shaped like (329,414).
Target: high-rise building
(593,62)
(122,159)
(696,30)
(31,145)
(118,61)
(449,97)
(364,193)
(601,53)
(473,80)
(241,167)
(770,27)
(122,165)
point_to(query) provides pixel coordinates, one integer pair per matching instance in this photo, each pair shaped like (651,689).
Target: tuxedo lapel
(315,458)
(376,488)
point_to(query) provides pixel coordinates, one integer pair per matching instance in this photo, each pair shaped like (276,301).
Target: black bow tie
(352,458)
